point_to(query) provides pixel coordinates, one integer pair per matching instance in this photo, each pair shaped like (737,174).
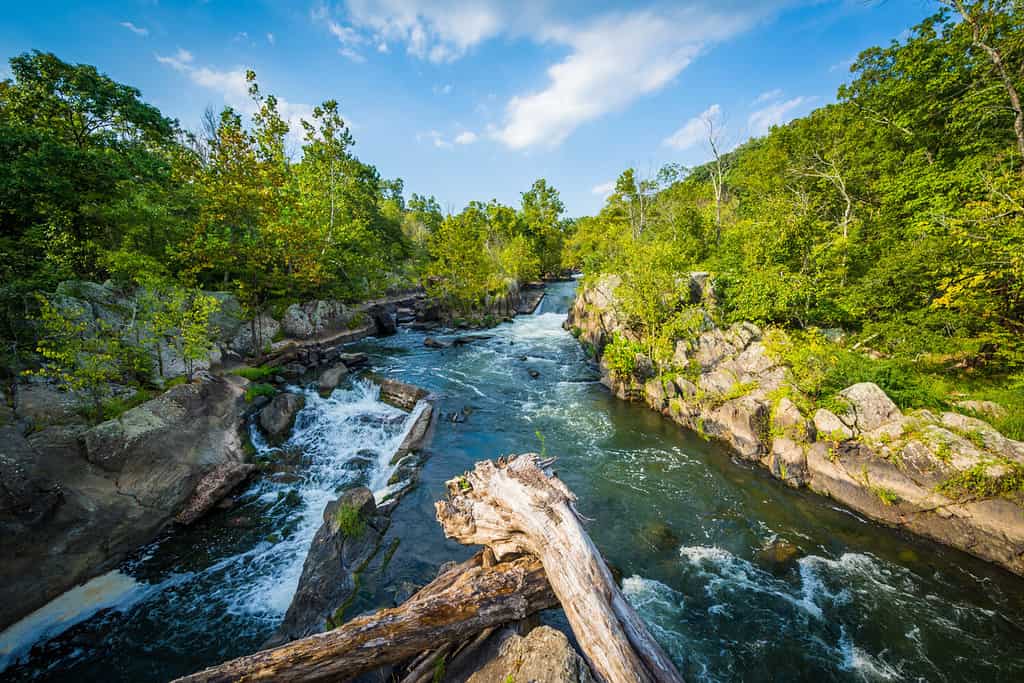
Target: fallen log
(457,605)
(515,507)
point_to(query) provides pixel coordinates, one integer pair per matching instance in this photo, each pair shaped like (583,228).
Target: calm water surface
(686,525)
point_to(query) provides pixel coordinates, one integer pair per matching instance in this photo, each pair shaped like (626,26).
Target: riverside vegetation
(99,186)
(881,238)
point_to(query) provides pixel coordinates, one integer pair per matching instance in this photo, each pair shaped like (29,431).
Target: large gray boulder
(78,500)
(400,394)
(254,336)
(331,378)
(544,655)
(869,407)
(277,418)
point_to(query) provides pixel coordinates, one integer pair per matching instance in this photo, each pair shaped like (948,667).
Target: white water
(345,440)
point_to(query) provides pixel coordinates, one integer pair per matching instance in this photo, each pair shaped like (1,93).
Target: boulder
(989,409)
(432,343)
(869,407)
(385,318)
(353,360)
(789,421)
(331,378)
(400,394)
(86,498)
(255,336)
(829,426)
(277,418)
(44,404)
(544,655)
(415,438)
(212,488)
(349,536)
(295,323)
(227,319)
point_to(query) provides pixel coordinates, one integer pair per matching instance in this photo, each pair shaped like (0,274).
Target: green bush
(258,389)
(257,373)
(620,356)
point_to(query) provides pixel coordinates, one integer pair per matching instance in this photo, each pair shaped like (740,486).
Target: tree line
(894,216)
(98,185)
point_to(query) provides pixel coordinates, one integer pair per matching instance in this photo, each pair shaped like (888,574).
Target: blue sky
(475,100)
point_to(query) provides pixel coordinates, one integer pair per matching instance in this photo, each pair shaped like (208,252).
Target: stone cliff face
(75,500)
(872,457)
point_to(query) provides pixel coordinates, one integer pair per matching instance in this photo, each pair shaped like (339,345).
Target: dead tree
(456,606)
(515,507)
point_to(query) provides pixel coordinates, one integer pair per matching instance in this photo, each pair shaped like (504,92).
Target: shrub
(257,373)
(255,390)
(620,356)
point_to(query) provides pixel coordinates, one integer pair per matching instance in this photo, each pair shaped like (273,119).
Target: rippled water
(686,525)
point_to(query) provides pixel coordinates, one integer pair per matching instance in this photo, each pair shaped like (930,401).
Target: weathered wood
(457,605)
(516,507)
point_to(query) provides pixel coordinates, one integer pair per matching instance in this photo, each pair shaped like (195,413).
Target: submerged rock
(432,343)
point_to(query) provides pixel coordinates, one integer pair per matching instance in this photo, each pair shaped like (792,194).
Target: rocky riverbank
(905,470)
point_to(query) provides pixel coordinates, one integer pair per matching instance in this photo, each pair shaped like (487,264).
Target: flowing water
(691,530)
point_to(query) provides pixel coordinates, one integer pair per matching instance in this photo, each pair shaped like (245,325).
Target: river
(690,528)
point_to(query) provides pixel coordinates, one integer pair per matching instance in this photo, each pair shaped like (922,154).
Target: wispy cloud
(445,89)
(231,85)
(179,61)
(435,138)
(768,96)
(762,120)
(466,137)
(603,189)
(695,130)
(137,30)
(270,38)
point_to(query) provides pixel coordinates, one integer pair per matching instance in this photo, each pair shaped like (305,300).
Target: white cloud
(604,189)
(435,30)
(382,47)
(843,65)
(180,60)
(466,137)
(241,36)
(233,88)
(768,96)
(614,61)
(137,30)
(762,120)
(695,130)
(435,139)
(270,38)
(445,89)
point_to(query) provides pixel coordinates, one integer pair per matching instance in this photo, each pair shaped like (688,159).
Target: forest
(97,185)
(881,236)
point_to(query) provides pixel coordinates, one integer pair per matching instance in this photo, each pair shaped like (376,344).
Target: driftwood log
(457,605)
(516,507)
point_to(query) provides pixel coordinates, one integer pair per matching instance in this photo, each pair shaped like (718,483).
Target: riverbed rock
(98,493)
(346,541)
(277,418)
(331,378)
(385,318)
(416,438)
(544,655)
(865,454)
(432,343)
(401,394)
(212,488)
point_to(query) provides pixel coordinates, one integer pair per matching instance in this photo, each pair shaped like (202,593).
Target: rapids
(690,528)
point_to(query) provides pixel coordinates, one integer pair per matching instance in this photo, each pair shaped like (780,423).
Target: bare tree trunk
(514,507)
(458,604)
(1004,74)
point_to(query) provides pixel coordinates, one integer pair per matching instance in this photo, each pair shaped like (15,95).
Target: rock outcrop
(346,541)
(900,469)
(75,500)
(544,655)
(277,418)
